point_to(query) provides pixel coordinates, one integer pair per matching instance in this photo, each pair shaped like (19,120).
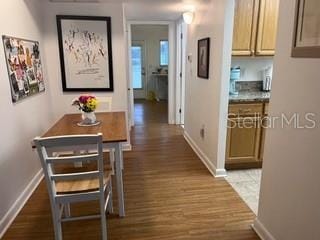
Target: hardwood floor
(150,112)
(169,194)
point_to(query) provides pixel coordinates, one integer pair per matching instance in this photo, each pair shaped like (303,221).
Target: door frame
(171,67)
(182,31)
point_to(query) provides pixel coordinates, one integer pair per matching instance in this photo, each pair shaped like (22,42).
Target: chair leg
(103,219)
(121,158)
(57,223)
(110,202)
(67,211)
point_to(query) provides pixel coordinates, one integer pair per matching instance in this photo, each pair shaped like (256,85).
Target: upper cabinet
(245,25)
(255,27)
(267,27)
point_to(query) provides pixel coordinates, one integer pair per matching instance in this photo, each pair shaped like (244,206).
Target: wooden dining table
(114,132)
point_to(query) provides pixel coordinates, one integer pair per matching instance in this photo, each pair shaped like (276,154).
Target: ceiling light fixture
(188,17)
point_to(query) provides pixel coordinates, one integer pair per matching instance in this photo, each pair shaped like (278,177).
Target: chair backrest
(105,104)
(47,147)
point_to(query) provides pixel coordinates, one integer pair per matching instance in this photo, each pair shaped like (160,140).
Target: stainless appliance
(234,76)
(267,78)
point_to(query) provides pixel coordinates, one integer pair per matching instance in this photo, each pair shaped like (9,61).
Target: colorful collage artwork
(24,67)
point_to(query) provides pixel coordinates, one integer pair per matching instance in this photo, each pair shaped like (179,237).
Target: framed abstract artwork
(85,53)
(306,39)
(203,57)
(24,67)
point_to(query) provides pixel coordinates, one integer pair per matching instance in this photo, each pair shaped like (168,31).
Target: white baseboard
(262,232)
(16,207)
(216,172)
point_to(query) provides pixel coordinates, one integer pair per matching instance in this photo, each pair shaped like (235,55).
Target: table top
(113,126)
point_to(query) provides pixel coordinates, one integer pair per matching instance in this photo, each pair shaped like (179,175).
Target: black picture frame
(109,65)
(203,58)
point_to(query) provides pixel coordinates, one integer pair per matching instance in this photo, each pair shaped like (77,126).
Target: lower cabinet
(245,136)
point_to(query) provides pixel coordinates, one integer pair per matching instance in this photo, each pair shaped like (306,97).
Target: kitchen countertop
(258,96)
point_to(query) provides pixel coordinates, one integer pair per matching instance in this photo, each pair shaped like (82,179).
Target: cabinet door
(267,27)
(245,25)
(243,140)
(264,129)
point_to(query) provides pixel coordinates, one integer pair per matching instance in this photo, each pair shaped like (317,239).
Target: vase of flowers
(87,105)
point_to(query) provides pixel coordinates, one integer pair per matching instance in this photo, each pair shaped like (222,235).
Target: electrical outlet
(33,146)
(202,132)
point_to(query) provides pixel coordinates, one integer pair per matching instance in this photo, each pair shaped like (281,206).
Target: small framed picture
(203,58)
(85,53)
(306,39)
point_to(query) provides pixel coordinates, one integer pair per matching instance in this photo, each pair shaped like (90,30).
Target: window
(164,53)
(136,58)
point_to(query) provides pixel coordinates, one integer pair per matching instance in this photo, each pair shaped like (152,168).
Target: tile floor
(247,185)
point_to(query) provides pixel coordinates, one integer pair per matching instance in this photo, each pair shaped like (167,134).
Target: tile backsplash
(249,86)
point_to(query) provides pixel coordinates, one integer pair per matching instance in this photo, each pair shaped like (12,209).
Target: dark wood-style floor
(169,194)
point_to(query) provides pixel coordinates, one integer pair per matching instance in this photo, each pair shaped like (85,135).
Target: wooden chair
(68,185)
(105,105)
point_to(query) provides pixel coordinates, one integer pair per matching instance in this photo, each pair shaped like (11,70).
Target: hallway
(169,194)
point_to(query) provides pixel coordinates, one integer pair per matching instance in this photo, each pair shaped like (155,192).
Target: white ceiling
(156,10)
(149,9)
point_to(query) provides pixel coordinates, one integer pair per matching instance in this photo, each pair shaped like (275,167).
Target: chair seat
(82,185)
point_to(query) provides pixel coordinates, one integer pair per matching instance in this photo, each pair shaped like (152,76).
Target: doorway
(149,61)
(152,64)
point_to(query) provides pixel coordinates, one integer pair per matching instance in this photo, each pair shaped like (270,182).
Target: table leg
(118,161)
(157,89)
(121,158)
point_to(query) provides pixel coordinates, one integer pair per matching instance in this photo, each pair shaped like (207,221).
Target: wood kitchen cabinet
(267,27)
(245,136)
(245,25)
(255,27)
(264,129)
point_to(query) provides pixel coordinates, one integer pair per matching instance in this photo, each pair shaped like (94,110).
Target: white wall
(251,67)
(62,100)
(22,121)
(151,36)
(290,193)
(207,99)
